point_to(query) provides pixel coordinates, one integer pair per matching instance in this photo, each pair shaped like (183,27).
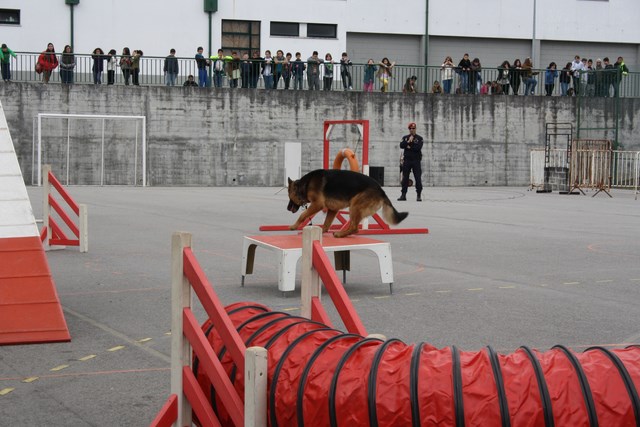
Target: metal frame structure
(93,117)
(552,131)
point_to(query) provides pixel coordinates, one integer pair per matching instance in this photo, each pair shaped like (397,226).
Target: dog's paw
(293,227)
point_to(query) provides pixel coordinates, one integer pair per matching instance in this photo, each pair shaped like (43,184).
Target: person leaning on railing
(67,64)
(5,61)
(446,74)
(171,68)
(112,63)
(345,72)
(385,73)
(256,66)
(98,58)
(135,66)
(233,69)
(245,71)
(622,71)
(528,74)
(503,77)
(369,76)
(47,62)
(550,78)
(565,79)
(313,71)
(125,65)
(297,71)
(201,63)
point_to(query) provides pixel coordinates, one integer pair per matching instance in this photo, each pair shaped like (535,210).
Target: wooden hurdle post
(255,358)
(255,387)
(180,347)
(46,210)
(310,282)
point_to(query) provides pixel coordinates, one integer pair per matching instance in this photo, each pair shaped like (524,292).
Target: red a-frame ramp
(30,310)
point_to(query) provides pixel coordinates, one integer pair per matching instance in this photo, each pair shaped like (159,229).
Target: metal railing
(152,74)
(622,168)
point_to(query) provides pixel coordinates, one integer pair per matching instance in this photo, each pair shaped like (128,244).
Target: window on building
(329,31)
(288,29)
(10,16)
(241,36)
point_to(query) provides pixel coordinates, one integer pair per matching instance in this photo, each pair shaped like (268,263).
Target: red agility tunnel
(319,376)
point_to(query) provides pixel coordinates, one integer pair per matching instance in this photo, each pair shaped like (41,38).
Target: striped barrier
(73,215)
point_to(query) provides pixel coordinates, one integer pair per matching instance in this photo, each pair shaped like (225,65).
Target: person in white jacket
(112,62)
(446,74)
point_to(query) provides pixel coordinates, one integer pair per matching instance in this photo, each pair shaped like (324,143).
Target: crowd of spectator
(580,76)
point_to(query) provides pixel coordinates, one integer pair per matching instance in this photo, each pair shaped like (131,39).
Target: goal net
(90,149)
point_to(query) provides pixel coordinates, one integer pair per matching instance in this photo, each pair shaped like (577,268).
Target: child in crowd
(410,85)
(485,89)
(369,75)
(190,82)
(328,72)
(286,70)
(437,88)
(297,69)
(385,74)
(98,65)
(345,71)
(112,62)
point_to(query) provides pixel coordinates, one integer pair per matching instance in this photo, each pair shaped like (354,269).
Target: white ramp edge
(16,213)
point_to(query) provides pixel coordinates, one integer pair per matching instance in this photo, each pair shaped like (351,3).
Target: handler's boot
(419,199)
(402,197)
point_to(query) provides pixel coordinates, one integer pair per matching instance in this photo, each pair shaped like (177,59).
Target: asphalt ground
(501,266)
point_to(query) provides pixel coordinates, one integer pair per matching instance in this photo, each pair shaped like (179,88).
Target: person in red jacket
(47,62)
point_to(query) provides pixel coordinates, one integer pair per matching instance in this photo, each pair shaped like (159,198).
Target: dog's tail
(390,214)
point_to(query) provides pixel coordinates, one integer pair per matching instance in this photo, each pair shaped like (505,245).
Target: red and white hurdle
(52,233)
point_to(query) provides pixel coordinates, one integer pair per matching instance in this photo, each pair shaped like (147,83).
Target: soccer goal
(90,149)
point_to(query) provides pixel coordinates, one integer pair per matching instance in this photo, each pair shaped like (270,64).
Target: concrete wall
(236,137)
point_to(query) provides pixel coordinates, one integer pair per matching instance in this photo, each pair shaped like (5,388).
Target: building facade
(407,32)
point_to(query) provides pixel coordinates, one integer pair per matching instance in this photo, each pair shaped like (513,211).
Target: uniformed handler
(411,161)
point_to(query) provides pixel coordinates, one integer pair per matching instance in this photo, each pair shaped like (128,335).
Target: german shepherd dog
(335,189)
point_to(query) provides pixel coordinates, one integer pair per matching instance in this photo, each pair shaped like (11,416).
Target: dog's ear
(290,181)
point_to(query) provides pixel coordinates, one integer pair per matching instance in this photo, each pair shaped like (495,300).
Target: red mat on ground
(30,310)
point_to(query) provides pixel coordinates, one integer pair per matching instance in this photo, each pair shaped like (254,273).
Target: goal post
(140,129)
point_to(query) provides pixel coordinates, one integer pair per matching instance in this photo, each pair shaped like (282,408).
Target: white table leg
(385,261)
(287,263)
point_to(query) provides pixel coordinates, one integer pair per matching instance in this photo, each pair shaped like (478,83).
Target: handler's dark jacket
(412,151)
